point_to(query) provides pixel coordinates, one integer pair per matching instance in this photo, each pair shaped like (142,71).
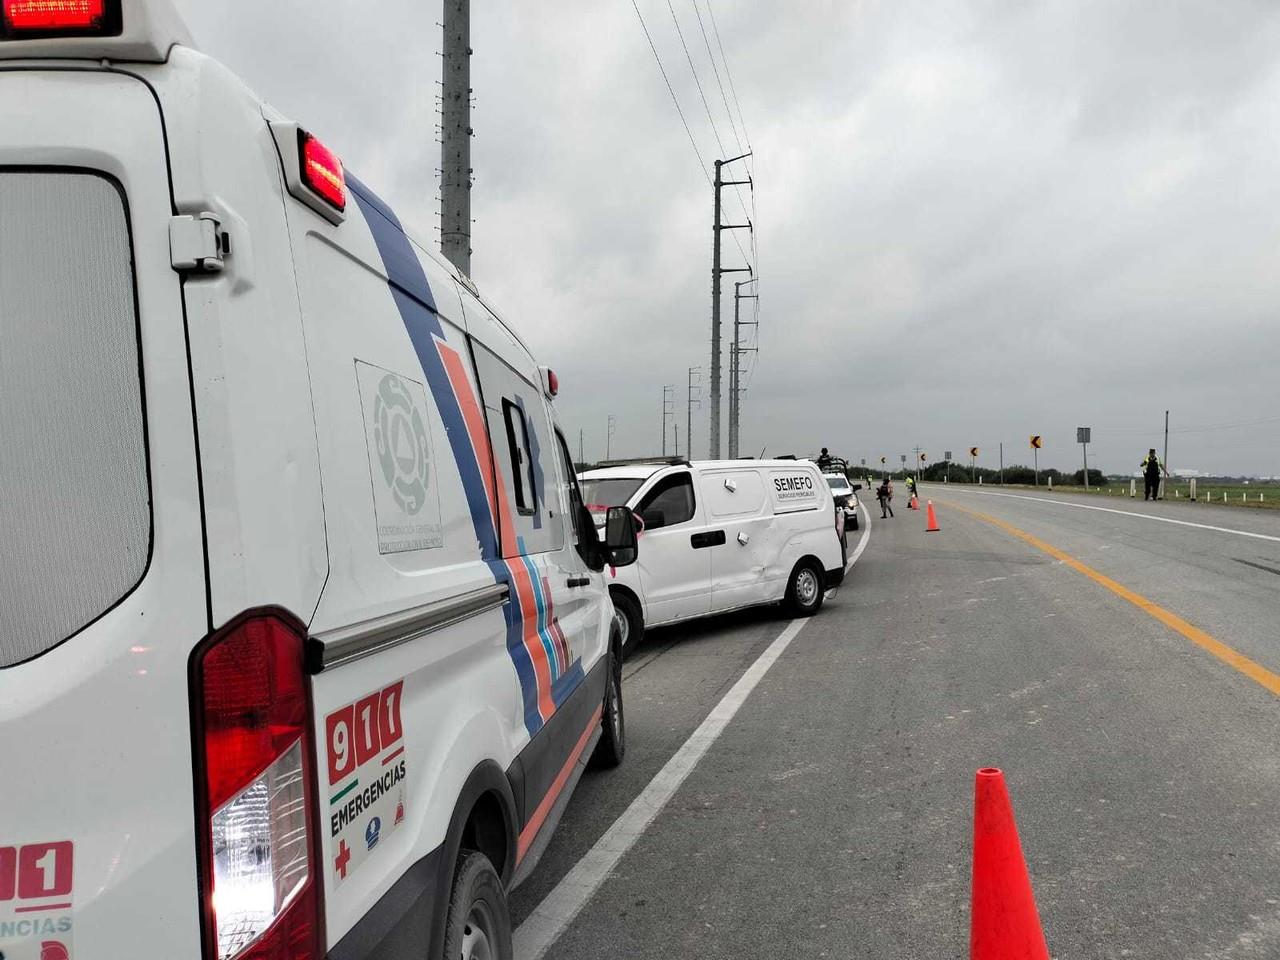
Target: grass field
(1264,496)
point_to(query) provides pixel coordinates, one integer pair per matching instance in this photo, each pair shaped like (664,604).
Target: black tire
(630,622)
(805,589)
(478,924)
(612,745)
(855,521)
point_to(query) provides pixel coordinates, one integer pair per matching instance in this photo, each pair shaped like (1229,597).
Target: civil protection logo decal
(401,439)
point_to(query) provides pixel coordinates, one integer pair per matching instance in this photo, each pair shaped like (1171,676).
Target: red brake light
(255,781)
(58,16)
(322,171)
(553,383)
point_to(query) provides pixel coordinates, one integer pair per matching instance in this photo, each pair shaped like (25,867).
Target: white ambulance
(304,639)
(719,535)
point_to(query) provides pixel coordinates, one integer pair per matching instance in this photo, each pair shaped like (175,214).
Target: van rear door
(102,584)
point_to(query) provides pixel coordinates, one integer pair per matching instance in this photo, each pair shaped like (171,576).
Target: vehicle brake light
(550,382)
(322,171)
(58,16)
(260,882)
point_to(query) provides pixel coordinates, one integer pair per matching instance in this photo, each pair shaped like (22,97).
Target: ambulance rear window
(75,515)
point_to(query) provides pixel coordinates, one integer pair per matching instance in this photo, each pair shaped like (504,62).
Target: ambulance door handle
(578,582)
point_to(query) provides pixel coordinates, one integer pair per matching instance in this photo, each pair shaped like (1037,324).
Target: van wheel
(630,622)
(478,926)
(612,745)
(804,592)
(855,521)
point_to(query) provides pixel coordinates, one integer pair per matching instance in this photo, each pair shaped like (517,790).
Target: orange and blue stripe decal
(534,639)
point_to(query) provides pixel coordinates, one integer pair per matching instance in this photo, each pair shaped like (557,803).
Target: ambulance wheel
(804,590)
(630,622)
(855,521)
(478,925)
(612,745)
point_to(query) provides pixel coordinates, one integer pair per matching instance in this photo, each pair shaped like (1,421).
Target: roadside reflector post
(1192,492)
(1133,488)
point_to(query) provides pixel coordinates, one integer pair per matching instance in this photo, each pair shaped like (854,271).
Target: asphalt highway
(1121,670)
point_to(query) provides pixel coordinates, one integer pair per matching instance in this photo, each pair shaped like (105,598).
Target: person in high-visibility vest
(1151,470)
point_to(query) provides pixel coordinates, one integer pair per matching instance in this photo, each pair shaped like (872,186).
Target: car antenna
(762,450)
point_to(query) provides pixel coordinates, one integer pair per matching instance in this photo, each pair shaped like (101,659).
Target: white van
(718,535)
(303,635)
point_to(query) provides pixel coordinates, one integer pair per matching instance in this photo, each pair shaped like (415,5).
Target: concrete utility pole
(608,436)
(668,411)
(690,400)
(455,150)
(736,350)
(581,458)
(716,271)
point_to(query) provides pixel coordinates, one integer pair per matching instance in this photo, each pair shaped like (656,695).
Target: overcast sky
(976,220)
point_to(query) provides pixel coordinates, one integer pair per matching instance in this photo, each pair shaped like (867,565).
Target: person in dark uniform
(824,460)
(884,493)
(1151,470)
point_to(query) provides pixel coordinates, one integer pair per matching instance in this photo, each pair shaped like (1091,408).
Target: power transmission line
(714,69)
(728,74)
(715,132)
(697,82)
(702,164)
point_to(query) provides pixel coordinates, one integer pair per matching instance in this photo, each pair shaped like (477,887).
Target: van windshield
(602,494)
(75,518)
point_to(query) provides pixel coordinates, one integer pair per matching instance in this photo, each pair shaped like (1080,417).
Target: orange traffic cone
(913,503)
(1003,922)
(931,525)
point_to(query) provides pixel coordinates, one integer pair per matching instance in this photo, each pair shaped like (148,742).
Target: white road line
(559,908)
(1126,513)
(862,541)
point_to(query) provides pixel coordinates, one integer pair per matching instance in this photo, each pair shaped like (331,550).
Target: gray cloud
(977,220)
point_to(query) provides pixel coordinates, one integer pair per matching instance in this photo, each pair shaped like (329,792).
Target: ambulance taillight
(59,18)
(260,883)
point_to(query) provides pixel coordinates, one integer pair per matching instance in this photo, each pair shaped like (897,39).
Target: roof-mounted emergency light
(31,19)
(550,383)
(312,172)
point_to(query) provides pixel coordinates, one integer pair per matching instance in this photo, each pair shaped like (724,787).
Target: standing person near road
(1151,470)
(911,486)
(824,460)
(884,493)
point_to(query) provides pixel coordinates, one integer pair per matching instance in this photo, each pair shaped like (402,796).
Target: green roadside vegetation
(1258,494)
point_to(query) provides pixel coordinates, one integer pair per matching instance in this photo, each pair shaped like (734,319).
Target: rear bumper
(834,577)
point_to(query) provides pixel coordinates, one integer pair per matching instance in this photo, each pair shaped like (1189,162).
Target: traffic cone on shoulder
(931,525)
(1003,922)
(913,503)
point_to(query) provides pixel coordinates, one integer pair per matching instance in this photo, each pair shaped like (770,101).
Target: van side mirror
(857,486)
(621,544)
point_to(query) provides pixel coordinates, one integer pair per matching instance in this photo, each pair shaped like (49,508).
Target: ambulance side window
(525,458)
(572,494)
(521,460)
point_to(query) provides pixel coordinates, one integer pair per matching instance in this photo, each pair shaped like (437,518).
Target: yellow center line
(1232,658)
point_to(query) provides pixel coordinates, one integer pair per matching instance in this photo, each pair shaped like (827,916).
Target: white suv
(846,497)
